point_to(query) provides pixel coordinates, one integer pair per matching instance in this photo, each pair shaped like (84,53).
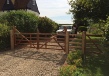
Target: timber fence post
(84,44)
(12,39)
(66,41)
(37,39)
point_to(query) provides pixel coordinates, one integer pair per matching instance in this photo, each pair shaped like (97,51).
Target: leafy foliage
(24,21)
(84,11)
(95,65)
(75,58)
(82,28)
(4,36)
(107,32)
(46,25)
(97,28)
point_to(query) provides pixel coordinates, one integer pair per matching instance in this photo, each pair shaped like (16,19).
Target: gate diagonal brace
(19,41)
(24,37)
(53,37)
(46,42)
(58,43)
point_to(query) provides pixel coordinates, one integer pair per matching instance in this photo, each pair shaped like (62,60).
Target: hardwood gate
(39,40)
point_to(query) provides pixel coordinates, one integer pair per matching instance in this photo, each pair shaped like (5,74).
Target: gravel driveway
(31,62)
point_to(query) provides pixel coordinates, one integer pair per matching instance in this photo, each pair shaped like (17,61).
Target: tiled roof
(18,4)
(33,6)
(1,4)
(8,6)
(21,4)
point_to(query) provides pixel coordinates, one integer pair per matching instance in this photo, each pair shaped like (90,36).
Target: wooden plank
(26,33)
(75,43)
(94,35)
(75,39)
(80,47)
(75,35)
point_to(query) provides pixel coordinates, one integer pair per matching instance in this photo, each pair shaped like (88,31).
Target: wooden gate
(39,40)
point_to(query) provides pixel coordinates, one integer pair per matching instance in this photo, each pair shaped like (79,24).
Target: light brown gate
(39,40)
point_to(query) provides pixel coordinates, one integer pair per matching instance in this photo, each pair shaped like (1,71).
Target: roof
(33,6)
(1,4)
(8,5)
(19,4)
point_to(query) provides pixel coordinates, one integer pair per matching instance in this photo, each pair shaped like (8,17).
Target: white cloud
(54,8)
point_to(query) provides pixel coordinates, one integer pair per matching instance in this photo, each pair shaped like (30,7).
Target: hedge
(24,21)
(4,36)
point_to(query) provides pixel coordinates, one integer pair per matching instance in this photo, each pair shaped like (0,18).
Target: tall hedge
(4,36)
(23,20)
(47,25)
(107,30)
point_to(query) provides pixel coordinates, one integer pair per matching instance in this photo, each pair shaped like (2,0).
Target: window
(34,2)
(68,27)
(7,1)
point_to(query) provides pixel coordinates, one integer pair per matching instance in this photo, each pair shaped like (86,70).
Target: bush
(75,58)
(67,70)
(24,21)
(82,28)
(107,30)
(105,39)
(4,36)
(46,25)
(76,67)
(71,70)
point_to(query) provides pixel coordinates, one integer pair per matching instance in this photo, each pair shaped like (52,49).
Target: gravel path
(31,62)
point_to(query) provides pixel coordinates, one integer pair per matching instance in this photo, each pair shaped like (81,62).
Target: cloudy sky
(55,10)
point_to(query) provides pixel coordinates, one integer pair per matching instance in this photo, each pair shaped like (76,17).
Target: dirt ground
(31,62)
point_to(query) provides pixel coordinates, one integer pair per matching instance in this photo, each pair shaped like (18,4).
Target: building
(28,5)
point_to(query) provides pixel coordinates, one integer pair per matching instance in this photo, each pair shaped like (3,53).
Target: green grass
(98,64)
(94,65)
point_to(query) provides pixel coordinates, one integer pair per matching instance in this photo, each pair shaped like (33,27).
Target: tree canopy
(87,10)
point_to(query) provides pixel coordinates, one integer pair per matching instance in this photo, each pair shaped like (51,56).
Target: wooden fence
(39,40)
(67,43)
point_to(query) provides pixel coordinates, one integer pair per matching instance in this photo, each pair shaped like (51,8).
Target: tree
(85,11)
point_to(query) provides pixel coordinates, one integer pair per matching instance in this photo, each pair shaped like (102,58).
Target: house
(28,5)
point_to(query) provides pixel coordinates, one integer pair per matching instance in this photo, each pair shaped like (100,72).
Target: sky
(55,10)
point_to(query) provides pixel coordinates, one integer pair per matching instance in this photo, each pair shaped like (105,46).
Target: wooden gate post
(66,41)
(84,44)
(37,39)
(12,39)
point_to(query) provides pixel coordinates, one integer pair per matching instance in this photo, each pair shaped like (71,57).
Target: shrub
(24,21)
(107,29)
(4,36)
(82,28)
(71,70)
(97,28)
(46,25)
(75,58)
(105,39)
(67,70)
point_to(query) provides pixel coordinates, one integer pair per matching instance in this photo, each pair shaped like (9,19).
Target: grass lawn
(94,65)
(98,64)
